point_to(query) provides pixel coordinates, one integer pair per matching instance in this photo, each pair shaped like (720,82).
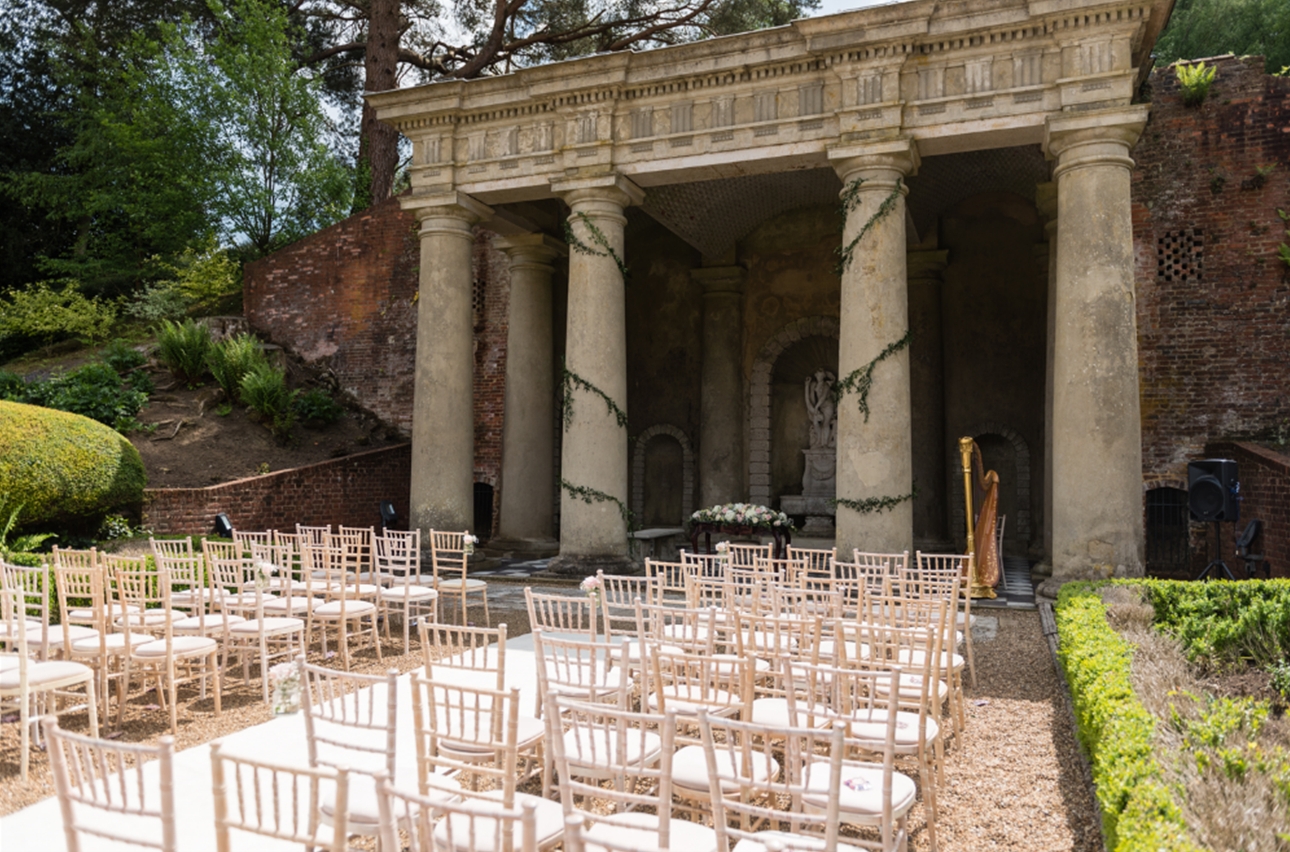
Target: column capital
(1094,138)
(719,280)
(446,205)
(925,264)
(531,248)
(613,188)
(871,160)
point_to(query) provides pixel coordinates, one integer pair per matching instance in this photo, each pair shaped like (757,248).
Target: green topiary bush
(65,468)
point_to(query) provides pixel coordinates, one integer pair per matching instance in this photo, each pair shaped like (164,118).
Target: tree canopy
(1202,28)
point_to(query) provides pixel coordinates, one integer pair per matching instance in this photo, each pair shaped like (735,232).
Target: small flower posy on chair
(285,681)
(468,544)
(264,572)
(591,586)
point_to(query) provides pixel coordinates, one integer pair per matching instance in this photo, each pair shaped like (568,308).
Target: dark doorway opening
(483,510)
(1168,527)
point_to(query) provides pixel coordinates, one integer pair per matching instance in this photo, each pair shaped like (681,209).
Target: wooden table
(783,536)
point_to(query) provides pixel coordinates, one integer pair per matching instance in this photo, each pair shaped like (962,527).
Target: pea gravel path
(1014,781)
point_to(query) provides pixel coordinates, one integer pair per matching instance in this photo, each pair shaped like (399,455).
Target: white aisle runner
(39,827)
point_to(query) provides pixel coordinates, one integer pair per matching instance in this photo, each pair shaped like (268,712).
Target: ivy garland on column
(860,380)
(599,237)
(569,382)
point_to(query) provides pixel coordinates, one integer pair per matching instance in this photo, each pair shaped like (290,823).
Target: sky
(829,7)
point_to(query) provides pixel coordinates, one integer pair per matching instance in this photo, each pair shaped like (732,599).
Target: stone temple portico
(708,173)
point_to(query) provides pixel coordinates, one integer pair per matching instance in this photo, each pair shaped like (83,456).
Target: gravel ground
(1014,781)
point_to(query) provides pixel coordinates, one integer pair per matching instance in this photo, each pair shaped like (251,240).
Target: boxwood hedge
(65,468)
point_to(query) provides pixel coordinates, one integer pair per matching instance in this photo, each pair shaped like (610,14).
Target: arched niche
(1003,450)
(662,460)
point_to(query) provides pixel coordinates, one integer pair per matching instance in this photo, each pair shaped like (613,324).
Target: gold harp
(983,567)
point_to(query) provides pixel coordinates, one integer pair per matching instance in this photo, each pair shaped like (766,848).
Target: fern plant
(231,359)
(1195,81)
(265,389)
(184,349)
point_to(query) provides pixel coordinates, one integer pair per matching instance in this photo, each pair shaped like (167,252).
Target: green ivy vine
(572,380)
(860,381)
(850,198)
(599,238)
(873,504)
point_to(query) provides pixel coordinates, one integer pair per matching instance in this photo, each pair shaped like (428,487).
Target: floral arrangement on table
(743,515)
(592,586)
(468,543)
(284,679)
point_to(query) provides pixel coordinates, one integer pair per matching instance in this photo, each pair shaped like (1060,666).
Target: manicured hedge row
(63,466)
(1223,623)
(1139,813)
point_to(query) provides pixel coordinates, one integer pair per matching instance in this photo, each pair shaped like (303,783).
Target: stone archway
(759,395)
(1022,454)
(687,468)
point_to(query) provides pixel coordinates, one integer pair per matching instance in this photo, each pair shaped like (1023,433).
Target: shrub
(231,359)
(64,467)
(1138,809)
(208,279)
(12,386)
(265,390)
(184,349)
(158,301)
(18,545)
(94,391)
(1222,624)
(318,405)
(45,315)
(122,357)
(1195,81)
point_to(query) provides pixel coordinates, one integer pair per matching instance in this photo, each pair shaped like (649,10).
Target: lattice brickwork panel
(1180,256)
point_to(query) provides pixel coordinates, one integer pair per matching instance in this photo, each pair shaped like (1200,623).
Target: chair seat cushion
(210,624)
(870,726)
(640,830)
(270,626)
(408,592)
(456,585)
(602,747)
(480,834)
(784,840)
(353,609)
(183,646)
(861,796)
(75,631)
(115,642)
(298,605)
(362,590)
(690,769)
(46,674)
(458,729)
(145,619)
(773,713)
(688,699)
(86,614)
(908,657)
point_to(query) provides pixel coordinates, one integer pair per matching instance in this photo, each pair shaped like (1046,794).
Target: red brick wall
(1214,339)
(1265,489)
(341,491)
(343,299)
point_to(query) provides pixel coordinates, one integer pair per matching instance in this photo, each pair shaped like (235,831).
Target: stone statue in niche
(823,412)
(819,478)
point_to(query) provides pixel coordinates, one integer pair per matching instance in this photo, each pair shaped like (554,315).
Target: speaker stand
(1217,564)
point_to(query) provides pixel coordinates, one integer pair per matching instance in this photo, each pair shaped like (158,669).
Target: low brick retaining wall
(346,491)
(1265,488)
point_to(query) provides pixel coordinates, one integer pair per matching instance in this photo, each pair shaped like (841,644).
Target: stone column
(528,507)
(721,406)
(874,454)
(593,533)
(925,271)
(1097,432)
(1046,255)
(443,414)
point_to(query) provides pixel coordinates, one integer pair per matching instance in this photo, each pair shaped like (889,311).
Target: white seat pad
(602,747)
(641,831)
(408,592)
(210,624)
(870,726)
(41,674)
(353,609)
(268,625)
(455,585)
(861,794)
(480,833)
(690,769)
(687,699)
(910,657)
(115,643)
(788,841)
(182,645)
(75,631)
(773,713)
(298,605)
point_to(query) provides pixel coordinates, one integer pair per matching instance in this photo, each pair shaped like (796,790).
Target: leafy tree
(1201,28)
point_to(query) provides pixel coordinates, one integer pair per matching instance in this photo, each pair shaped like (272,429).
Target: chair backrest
(86,584)
(759,780)
(585,670)
(102,792)
(685,683)
(82,559)
(607,741)
(461,654)
(746,555)
(809,600)
(277,561)
(706,564)
(141,591)
(356,548)
(397,555)
(819,560)
(691,630)
(590,832)
(786,571)
(569,616)
(942,575)
(229,568)
(30,588)
(668,579)
(351,720)
(448,552)
(281,802)
(244,540)
(893,562)
(792,635)
(317,536)
(466,731)
(185,565)
(430,824)
(618,596)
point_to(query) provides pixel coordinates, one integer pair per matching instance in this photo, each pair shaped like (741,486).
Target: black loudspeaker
(1213,491)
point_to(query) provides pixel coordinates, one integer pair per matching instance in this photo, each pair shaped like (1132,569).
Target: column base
(584,565)
(533,548)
